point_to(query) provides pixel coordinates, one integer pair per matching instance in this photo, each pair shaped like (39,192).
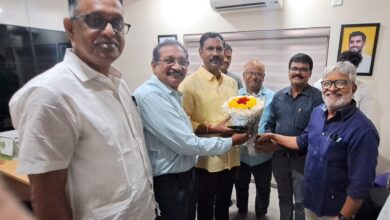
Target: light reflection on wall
(181,13)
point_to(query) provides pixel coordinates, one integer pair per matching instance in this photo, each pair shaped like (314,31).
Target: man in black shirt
(290,114)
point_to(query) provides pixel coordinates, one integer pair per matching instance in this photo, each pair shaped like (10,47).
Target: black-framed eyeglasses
(172,61)
(252,74)
(302,69)
(339,84)
(97,21)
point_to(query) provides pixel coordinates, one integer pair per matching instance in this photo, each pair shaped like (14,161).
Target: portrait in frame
(360,38)
(162,38)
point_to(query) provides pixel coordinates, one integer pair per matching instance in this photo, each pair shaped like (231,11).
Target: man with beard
(81,138)
(204,92)
(357,41)
(227,59)
(363,96)
(170,140)
(291,108)
(342,149)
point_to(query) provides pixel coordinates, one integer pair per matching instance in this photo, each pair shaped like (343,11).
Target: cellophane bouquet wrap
(245,113)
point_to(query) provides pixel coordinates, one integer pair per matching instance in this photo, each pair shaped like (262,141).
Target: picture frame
(162,38)
(361,38)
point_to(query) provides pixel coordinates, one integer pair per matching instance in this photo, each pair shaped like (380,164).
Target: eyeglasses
(302,69)
(252,74)
(97,21)
(339,84)
(172,61)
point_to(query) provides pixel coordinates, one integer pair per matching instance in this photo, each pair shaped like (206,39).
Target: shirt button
(322,133)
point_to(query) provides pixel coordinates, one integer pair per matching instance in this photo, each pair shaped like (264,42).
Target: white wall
(150,18)
(35,13)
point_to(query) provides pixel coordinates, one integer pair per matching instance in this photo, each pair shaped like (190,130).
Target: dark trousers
(288,172)
(262,174)
(214,192)
(175,195)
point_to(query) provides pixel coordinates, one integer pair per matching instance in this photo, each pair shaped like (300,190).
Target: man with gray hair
(342,149)
(170,140)
(81,137)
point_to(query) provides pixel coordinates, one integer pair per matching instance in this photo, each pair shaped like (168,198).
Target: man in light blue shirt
(170,140)
(259,164)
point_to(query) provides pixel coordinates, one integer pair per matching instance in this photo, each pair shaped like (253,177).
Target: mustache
(297,76)
(106,41)
(215,60)
(176,73)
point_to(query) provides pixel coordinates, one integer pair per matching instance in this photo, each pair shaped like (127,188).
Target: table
(16,183)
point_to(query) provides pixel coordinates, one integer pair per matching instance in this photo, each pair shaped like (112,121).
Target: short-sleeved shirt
(203,96)
(341,158)
(267,95)
(73,117)
(170,140)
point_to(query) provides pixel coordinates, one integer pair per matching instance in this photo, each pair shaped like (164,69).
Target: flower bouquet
(245,113)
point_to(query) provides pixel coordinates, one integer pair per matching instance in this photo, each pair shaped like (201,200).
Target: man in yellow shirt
(204,92)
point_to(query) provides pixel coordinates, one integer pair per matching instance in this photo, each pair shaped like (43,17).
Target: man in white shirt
(357,41)
(81,138)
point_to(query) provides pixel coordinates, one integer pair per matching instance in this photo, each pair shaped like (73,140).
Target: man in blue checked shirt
(259,164)
(170,140)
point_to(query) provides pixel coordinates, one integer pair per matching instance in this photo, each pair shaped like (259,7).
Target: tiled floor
(273,209)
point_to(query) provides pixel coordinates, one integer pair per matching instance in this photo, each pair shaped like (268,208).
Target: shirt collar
(343,113)
(85,72)
(209,76)
(304,92)
(154,80)
(260,93)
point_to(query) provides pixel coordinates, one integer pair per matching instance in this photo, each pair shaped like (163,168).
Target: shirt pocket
(303,117)
(334,149)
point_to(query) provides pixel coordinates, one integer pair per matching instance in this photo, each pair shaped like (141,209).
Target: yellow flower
(242,102)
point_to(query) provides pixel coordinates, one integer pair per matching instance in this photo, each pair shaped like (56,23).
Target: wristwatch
(342,217)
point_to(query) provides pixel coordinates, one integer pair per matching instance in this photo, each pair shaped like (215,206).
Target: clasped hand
(264,144)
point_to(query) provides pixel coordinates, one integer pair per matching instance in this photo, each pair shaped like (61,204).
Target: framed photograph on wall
(162,38)
(360,38)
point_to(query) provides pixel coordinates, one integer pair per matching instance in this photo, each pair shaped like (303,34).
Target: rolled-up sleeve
(362,161)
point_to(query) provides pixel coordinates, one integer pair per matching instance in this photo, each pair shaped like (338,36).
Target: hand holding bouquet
(245,113)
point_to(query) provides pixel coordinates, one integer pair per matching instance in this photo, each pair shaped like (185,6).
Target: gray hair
(156,50)
(344,67)
(73,6)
